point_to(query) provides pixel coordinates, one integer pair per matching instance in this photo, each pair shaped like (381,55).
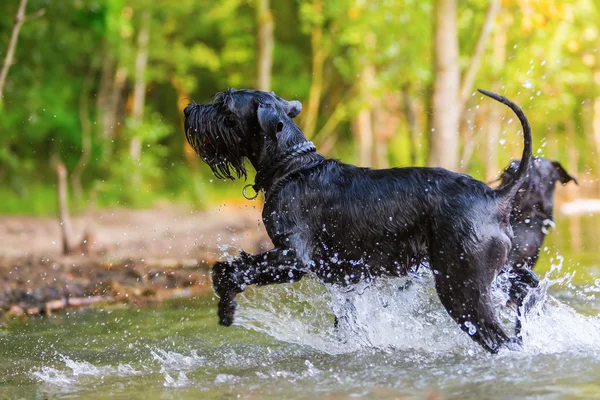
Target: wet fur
(533,204)
(344,224)
(533,211)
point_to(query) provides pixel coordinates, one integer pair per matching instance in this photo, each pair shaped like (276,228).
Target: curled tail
(508,191)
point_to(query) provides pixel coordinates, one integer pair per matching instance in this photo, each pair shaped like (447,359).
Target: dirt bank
(135,256)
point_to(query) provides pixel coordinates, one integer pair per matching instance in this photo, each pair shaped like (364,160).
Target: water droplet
(471,328)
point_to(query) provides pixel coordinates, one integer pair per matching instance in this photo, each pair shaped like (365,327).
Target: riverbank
(133,256)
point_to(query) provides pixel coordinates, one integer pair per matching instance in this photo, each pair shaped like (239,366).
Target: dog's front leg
(522,281)
(230,278)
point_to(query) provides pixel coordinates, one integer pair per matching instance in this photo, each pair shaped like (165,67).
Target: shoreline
(135,257)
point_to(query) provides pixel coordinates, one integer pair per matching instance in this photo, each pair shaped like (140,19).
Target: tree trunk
(596,116)
(494,125)
(331,125)
(572,156)
(183,99)
(12,45)
(86,141)
(472,137)
(110,92)
(382,136)
(328,144)
(411,119)
(596,124)
(467,134)
(103,99)
(364,120)
(63,209)
(443,143)
(116,98)
(572,191)
(469,77)
(264,20)
(365,138)
(139,91)
(316,87)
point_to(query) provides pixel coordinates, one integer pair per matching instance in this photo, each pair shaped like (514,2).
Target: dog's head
(538,190)
(235,125)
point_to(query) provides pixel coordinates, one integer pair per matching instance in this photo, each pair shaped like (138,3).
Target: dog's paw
(514,344)
(522,281)
(527,277)
(223,279)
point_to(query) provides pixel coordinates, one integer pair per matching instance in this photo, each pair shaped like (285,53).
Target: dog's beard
(213,134)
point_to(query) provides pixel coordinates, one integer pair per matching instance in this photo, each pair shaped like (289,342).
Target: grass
(39,198)
(36,199)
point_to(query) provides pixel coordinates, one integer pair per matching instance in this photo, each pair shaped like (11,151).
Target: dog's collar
(291,153)
(286,178)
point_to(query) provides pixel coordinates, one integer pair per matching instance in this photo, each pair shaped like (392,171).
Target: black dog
(344,224)
(531,219)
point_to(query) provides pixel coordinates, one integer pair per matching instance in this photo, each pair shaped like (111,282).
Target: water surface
(391,343)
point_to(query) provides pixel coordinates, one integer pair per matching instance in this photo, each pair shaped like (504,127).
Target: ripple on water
(75,370)
(381,321)
(172,361)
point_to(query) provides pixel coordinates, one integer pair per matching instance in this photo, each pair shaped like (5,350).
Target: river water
(392,342)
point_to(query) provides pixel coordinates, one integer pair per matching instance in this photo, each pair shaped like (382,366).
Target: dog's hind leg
(230,278)
(463,281)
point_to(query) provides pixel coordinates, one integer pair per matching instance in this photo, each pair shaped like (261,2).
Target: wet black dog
(343,224)
(531,219)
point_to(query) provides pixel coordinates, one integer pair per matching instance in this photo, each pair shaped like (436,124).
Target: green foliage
(199,47)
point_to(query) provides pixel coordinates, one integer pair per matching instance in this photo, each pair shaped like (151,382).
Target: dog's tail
(508,191)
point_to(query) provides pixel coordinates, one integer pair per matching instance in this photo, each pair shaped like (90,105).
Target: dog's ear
(269,119)
(294,108)
(190,107)
(562,175)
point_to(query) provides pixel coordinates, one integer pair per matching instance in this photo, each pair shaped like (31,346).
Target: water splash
(390,316)
(389,319)
(172,361)
(53,376)
(76,370)
(552,326)
(181,381)
(385,315)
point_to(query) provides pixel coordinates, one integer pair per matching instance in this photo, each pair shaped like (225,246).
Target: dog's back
(371,216)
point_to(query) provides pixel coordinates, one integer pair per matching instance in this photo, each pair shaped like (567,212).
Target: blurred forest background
(93,90)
